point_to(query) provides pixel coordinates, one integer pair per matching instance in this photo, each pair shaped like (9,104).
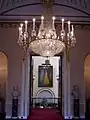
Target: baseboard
(76,119)
(25,118)
(15,118)
(66,117)
(72,118)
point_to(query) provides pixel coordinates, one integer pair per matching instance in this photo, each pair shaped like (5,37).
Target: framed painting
(45,76)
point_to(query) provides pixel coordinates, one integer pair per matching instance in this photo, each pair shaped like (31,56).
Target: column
(65,85)
(68,79)
(27,84)
(22,88)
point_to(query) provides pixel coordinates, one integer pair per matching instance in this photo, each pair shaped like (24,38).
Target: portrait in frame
(45,76)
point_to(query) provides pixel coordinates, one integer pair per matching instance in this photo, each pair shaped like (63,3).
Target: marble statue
(15,93)
(75,92)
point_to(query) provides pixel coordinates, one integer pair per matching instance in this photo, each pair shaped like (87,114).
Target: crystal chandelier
(46,42)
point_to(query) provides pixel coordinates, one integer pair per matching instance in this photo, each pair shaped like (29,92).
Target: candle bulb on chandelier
(26,26)
(20,29)
(53,27)
(62,24)
(68,26)
(72,30)
(33,23)
(20,32)
(21,25)
(42,18)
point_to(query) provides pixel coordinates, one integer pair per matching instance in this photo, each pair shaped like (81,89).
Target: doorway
(50,92)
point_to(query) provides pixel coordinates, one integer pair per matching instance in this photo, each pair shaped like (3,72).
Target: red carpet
(44,114)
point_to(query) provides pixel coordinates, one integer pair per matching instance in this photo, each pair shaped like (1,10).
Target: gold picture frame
(45,76)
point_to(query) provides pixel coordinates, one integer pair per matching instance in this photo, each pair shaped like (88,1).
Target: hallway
(44,114)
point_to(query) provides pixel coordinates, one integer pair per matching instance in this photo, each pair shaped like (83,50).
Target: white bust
(15,93)
(75,92)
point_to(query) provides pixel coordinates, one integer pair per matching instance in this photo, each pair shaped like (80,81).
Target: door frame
(31,82)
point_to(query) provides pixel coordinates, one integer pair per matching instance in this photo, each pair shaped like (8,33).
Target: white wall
(54,61)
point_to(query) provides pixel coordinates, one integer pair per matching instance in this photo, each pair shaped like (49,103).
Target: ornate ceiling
(76,10)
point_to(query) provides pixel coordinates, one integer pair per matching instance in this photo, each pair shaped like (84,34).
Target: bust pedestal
(15,108)
(76,112)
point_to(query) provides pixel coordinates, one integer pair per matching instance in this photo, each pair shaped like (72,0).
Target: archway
(3,79)
(46,95)
(87,83)
(87,76)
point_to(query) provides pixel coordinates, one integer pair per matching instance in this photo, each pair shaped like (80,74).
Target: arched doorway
(3,80)
(87,83)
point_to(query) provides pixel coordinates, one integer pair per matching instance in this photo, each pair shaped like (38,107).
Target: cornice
(58,25)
